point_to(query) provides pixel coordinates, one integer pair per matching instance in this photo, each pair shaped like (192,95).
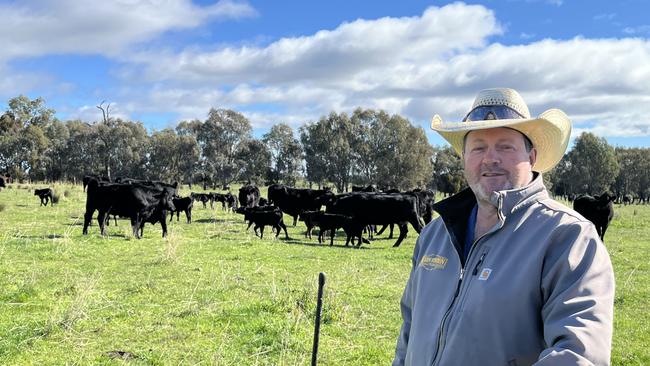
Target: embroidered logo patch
(485,274)
(429,262)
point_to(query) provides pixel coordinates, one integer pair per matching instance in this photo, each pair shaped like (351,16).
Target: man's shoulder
(433,225)
(557,209)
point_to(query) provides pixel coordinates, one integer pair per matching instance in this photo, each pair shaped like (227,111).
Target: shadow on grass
(108,236)
(46,236)
(326,244)
(209,221)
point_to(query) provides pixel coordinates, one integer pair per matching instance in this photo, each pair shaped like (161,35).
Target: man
(507,276)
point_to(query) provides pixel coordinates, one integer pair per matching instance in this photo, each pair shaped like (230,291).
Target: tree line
(340,149)
(592,166)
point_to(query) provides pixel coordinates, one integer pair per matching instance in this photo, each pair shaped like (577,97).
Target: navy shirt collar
(469,235)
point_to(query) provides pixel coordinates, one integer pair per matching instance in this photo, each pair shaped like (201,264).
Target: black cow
(628,199)
(86,178)
(369,188)
(2,182)
(379,209)
(426,199)
(331,222)
(184,204)
(149,183)
(202,197)
(293,201)
(140,203)
(218,197)
(262,216)
(599,210)
(243,210)
(45,195)
(249,196)
(232,201)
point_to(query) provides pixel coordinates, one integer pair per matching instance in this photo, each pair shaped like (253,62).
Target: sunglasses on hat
(491,112)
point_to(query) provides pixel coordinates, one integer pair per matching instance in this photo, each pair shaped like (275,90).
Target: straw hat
(503,107)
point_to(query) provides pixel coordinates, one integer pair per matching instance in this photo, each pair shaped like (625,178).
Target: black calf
(45,195)
(184,204)
(264,216)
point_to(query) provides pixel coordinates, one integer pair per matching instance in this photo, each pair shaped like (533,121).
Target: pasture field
(213,294)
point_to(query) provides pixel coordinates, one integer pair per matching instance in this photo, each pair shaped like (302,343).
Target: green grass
(213,294)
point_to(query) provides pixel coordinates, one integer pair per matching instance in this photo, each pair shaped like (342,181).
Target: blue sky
(160,62)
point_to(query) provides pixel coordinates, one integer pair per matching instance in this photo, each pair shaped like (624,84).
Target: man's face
(496,159)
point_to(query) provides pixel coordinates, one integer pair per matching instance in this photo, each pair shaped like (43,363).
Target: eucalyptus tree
(220,139)
(314,153)
(402,153)
(286,154)
(368,124)
(558,178)
(30,111)
(171,157)
(256,159)
(448,171)
(54,159)
(31,145)
(591,165)
(22,139)
(634,174)
(9,150)
(329,150)
(80,154)
(122,147)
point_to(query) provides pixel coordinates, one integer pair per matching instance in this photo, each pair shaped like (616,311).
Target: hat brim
(549,133)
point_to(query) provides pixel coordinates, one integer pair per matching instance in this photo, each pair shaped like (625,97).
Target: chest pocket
(476,278)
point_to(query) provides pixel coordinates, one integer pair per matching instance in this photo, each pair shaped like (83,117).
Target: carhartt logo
(485,274)
(433,262)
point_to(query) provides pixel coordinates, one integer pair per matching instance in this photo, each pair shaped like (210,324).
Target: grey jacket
(538,288)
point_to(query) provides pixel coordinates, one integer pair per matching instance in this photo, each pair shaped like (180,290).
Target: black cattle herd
(362,211)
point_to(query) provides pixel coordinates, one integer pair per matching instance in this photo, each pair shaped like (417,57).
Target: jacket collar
(454,211)
(512,200)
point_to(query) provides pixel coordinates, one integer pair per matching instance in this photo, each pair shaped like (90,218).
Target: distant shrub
(66,193)
(55,197)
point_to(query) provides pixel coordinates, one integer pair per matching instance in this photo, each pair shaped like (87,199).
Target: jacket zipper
(478,264)
(441,338)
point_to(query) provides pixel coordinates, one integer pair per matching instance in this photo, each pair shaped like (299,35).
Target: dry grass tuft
(170,249)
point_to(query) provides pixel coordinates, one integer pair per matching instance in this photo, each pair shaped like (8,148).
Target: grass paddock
(212,293)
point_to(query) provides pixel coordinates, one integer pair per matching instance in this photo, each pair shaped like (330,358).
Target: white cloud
(330,56)
(415,66)
(39,27)
(638,30)
(605,16)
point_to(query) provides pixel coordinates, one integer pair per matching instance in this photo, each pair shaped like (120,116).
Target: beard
(484,189)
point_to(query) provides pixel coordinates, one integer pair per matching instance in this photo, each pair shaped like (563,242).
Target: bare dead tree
(105,112)
(105,138)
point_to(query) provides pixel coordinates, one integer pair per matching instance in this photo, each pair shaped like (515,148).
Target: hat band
(490,112)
